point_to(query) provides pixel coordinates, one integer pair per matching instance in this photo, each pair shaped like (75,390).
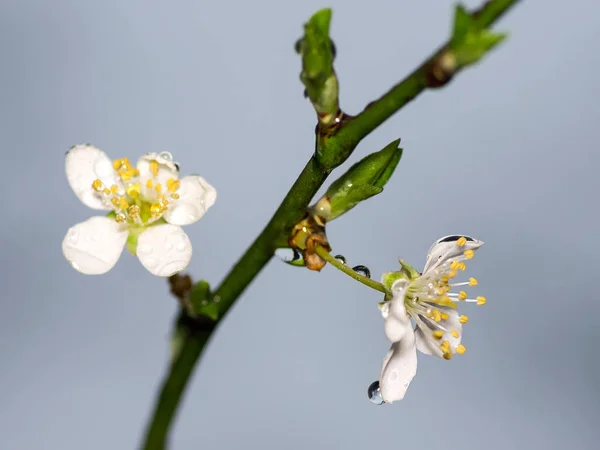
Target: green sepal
(406,272)
(363,180)
(470,41)
(389,278)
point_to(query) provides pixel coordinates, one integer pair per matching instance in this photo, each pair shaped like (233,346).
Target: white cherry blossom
(428,300)
(147,203)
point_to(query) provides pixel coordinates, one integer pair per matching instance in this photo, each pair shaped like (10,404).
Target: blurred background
(506,153)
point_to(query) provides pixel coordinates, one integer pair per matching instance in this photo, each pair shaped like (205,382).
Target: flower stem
(323,253)
(332,150)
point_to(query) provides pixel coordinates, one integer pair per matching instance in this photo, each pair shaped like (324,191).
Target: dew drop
(166,156)
(290,256)
(374,393)
(362,270)
(73,237)
(341,258)
(144,248)
(151,263)
(182,244)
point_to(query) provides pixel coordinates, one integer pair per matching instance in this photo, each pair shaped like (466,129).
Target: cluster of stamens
(432,290)
(138,201)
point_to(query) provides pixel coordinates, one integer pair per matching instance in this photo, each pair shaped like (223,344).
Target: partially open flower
(148,205)
(428,299)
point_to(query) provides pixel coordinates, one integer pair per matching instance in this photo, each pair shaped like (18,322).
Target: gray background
(507,153)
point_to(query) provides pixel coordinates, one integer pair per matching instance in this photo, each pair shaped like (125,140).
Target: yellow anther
(455,265)
(473,282)
(114,188)
(133,190)
(455,334)
(463,319)
(106,191)
(119,218)
(469,254)
(123,203)
(447,356)
(97,185)
(481,300)
(164,202)
(462,266)
(156,209)
(445,346)
(452,274)
(134,210)
(462,241)
(174,196)
(115,201)
(461,349)
(462,295)
(149,183)
(438,334)
(436,315)
(173,184)
(154,167)
(121,164)
(445,316)
(158,187)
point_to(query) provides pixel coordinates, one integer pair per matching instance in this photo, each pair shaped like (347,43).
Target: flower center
(430,295)
(138,200)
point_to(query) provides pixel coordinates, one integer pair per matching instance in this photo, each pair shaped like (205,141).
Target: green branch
(333,148)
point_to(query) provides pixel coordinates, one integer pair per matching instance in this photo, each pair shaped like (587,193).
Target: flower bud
(364,179)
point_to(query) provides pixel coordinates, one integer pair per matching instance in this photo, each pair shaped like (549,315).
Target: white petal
(94,246)
(195,197)
(398,369)
(164,249)
(396,320)
(166,167)
(428,345)
(446,248)
(84,164)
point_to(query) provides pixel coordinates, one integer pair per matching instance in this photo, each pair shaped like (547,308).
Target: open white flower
(428,299)
(148,203)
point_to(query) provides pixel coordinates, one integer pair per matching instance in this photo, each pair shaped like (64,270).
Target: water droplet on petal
(151,263)
(341,258)
(374,393)
(362,270)
(290,256)
(73,237)
(182,245)
(144,248)
(166,156)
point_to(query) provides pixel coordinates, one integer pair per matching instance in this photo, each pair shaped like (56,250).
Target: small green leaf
(462,23)
(469,40)
(476,45)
